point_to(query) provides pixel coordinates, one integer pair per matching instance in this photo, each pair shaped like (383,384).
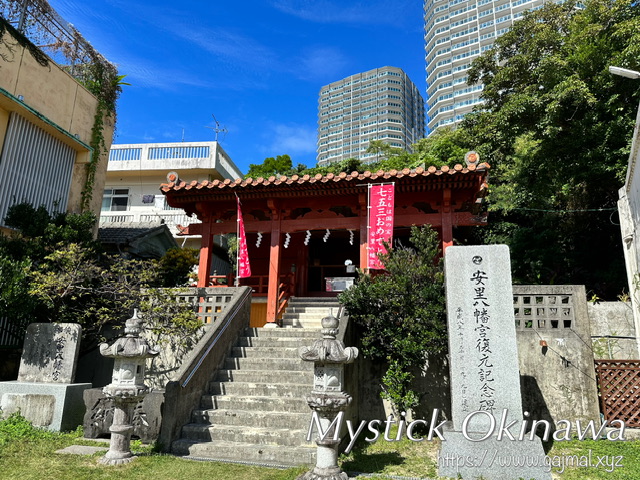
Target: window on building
(115,200)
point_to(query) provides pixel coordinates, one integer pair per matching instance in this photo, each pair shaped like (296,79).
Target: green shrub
(16,427)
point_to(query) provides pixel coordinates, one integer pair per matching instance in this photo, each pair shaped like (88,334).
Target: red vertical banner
(381,200)
(244,268)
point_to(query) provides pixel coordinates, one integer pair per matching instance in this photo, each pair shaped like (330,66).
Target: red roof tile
(249,184)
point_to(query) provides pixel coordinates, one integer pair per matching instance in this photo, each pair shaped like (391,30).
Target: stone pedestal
(494,459)
(55,406)
(121,430)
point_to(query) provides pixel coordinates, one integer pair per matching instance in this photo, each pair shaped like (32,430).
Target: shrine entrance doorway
(327,273)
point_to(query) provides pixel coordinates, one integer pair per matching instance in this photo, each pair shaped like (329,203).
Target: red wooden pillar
(364,232)
(447,220)
(274,265)
(206,250)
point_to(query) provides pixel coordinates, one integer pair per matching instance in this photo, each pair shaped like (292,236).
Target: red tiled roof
(251,184)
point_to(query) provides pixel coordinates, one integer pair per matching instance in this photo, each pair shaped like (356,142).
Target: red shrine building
(304,232)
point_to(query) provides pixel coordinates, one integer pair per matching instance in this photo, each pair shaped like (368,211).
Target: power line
(567,211)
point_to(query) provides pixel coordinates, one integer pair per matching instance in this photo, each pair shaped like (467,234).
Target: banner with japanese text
(244,268)
(380,226)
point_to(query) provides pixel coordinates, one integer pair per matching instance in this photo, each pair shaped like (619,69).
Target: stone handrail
(183,392)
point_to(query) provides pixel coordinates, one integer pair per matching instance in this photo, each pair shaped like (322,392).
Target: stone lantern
(127,387)
(328,398)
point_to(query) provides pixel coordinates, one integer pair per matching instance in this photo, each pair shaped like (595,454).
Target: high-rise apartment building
(456,32)
(381,104)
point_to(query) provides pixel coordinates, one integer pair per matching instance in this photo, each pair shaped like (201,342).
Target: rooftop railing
(169,151)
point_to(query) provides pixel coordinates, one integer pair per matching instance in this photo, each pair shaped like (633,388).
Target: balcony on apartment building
(135,172)
(201,158)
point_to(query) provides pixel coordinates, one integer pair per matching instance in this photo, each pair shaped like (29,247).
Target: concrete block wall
(557,374)
(613,330)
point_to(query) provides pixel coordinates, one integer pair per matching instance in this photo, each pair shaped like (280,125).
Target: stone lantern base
(120,446)
(326,473)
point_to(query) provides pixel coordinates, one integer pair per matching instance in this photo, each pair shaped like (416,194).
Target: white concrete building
(629,210)
(135,172)
(456,32)
(380,104)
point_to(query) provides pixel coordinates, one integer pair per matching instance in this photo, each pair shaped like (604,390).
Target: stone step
(300,377)
(265,352)
(305,323)
(243,434)
(284,332)
(292,420)
(314,305)
(304,315)
(313,301)
(273,365)
(307,311)
(253,403)
(233,451)
(286,342)
(260,389)
(255,408)
(323,310)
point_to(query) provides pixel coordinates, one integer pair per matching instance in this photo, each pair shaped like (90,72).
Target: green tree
(445,146)
(53,271)
(400,313)
(280,165)
(382,150)
(176,265)
(556,127)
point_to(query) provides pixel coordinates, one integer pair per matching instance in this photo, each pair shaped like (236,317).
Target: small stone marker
(485,378)
(50,353)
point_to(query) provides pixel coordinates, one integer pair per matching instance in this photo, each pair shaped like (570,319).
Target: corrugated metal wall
(11,335)
(34,168)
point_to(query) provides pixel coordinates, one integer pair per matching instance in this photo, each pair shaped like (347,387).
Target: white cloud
(375,12)
(229,45)
(320,63)
(291,139)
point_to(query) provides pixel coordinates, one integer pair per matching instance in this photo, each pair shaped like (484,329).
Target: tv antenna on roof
(217,128)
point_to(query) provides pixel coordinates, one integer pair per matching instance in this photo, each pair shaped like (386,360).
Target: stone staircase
(254,409)
(307,312)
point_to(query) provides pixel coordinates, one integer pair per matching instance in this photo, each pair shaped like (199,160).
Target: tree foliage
(272,166)
(556,127)
(176,266)
(444,147)
(53,271)
(401,313)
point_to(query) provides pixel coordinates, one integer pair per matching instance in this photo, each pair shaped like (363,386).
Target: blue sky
(258,66)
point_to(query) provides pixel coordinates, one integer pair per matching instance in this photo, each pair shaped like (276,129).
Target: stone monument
(486,404)
(44,392)
(327,399)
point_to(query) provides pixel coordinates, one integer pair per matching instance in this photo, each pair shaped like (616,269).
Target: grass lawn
(27,453)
